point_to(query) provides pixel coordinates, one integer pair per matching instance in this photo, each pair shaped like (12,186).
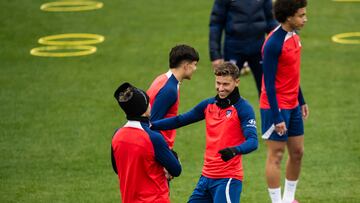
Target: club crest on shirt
(228,113)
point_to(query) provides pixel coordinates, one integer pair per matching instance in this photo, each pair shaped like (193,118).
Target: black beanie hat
(132,100)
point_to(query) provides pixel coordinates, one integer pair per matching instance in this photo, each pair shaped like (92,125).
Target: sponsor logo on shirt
(251,123)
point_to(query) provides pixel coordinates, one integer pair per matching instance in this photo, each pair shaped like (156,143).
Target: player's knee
(296,154)
(276,157)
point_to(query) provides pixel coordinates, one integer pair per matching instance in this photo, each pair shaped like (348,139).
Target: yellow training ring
(69,6)
(50,51)
(54,39)
(341,38)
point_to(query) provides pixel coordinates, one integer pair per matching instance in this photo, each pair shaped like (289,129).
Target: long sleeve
(301,98)
(217,23)
(163,154)
(270,20)
(192,116)
(248,125)
(166,97)
(270,62)
(113,162)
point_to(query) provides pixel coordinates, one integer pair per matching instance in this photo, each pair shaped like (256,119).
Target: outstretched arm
(192,116)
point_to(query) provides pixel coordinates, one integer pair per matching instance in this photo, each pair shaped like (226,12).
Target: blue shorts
(209,190)
(293,120)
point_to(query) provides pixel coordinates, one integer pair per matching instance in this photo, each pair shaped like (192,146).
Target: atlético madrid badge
(228,113)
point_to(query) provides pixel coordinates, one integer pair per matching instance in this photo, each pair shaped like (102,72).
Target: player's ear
(186,65)
(237,82)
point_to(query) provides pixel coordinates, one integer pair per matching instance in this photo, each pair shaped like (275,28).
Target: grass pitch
(58,114)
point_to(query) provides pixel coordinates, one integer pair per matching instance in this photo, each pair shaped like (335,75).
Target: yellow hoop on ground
(69,6)
(46,51)
(53,39)
(341,38)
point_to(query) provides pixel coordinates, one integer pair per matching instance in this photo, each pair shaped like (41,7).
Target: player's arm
(248,125)
(301,97)
(192,116)
(113,162)
(217,23)
(165,98)
(304,107)
(270,62)
(270,21)
(164,155)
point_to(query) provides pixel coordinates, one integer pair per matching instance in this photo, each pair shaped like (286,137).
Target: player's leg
(275,150)
(226,190)
(201,193)
(295,146)
(256,69)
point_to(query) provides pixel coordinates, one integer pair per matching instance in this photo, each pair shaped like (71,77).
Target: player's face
(225,85)
(298,20)
(190,68)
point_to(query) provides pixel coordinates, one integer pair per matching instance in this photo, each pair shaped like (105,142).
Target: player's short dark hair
(227,69)
(181,53)
(286,8)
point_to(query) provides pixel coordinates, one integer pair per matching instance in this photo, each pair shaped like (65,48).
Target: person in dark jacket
(245,24)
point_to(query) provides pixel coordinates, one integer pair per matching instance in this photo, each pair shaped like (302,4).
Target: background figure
(230,133)
(139,155)
(282,104)
(164,90)
(245,23)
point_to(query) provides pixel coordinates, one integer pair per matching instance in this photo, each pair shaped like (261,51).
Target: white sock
(275,195)
(289,191)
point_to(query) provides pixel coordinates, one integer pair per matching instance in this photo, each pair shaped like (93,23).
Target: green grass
(58,114)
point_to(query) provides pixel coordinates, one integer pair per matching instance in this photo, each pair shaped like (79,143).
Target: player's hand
(217,62)
(280,128)
(305,111)
(168,175)
(228,153)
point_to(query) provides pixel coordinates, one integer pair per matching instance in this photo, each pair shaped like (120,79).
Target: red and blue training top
(164,100)
(281,66)
(233,126)
(139,156)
